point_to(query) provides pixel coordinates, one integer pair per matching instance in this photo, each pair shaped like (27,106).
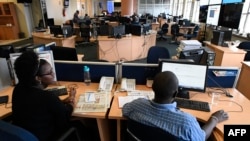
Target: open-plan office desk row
(237,107)
(71,73)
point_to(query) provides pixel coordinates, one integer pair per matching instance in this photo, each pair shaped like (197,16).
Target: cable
(224,90)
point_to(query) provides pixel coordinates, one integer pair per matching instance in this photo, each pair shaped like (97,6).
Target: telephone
(127,84)
(106,83)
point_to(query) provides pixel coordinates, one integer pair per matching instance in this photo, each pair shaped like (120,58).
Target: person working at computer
(76,18)
(35,109)
(162,111)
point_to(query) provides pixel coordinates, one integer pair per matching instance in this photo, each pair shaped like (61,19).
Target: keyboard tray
(192,104)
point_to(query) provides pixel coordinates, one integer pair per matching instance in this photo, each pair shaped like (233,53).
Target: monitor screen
(188,80)
(203,13)
(214,2)
(5,51)
(46,55)
(50,22)
(230,15)
(24,1)
(64,53)
(56,30)
(232,1)
(67,30)
(37,47)
(119,30)
(49,45)
(213,14)
(227,35)
(146,28)
(204,2)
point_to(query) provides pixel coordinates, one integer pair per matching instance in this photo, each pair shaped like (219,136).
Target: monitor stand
(183,93)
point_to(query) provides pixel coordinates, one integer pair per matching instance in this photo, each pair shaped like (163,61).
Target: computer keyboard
(192,104)
(58,91)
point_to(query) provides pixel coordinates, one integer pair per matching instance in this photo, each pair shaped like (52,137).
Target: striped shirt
(165,116)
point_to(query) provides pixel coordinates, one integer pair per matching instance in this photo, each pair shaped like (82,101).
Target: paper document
(149,94)
(93,102)
(126,99)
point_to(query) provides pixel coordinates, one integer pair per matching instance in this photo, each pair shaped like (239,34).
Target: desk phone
(127,84)
(106,83)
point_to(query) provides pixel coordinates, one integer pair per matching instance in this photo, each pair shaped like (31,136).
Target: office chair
(193,35)
(175,31)
(156,52)
(245,46)
(141,132)
(10,132)
(85,32)
(163,32)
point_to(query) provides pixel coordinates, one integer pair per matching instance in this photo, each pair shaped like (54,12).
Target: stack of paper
(190,44)
(122,100)
(93,102)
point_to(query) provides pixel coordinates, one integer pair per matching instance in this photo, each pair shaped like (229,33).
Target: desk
(243,81)
(155,26)
(42,37)
(127,48)
(102,121)
(225,56)
(224,103)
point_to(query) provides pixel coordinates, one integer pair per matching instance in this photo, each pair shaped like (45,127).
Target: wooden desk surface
(225,49)
(231,105)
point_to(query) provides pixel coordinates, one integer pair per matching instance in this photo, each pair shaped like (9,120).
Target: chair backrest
(141,132)
(156,52)
(164,28)
(10,132)
(196,30)
(245,46)
(175,29)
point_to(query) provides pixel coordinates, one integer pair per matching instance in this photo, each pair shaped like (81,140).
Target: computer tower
(208,57)
(218,38)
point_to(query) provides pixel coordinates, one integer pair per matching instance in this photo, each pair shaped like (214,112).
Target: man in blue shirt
(162,112)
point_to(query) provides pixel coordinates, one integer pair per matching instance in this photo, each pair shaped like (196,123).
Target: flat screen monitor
(232,1)
(67,30)
(211,2)
(136,29)
(227,35)
(194,80)
(46,55)
(36,47)
(6,50)
(119,30)
(50,22)
(142,20)
(204,2)
(230,15)
(213,14)
(203,13)
(64,53)
(146,28)
(56,30)
(24,1)
(49,45)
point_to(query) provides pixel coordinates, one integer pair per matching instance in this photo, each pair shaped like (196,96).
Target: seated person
(35,109)
(162,112)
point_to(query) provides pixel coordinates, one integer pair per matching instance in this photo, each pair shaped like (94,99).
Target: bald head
(165,85)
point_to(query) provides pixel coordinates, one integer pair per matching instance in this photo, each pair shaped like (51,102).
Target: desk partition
(222,77)
(73,70)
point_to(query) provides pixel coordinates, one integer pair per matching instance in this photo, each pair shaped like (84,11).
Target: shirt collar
(164,106)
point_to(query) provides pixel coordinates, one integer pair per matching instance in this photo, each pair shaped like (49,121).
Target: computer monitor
(50,22)
(194,54)
(64,53)
(136,29)
(36,47)
(46,55)
(49,45)
(119,30)
(56,30)
(194,80)
(146,28)
(67,31)
(5,51)
(227,35)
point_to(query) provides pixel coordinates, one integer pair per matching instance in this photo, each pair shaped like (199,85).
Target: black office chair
(245,46)
(141,132)
(10,132)
(85,32)
(156,52)
(192,35)
(163,32)
(175,31)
